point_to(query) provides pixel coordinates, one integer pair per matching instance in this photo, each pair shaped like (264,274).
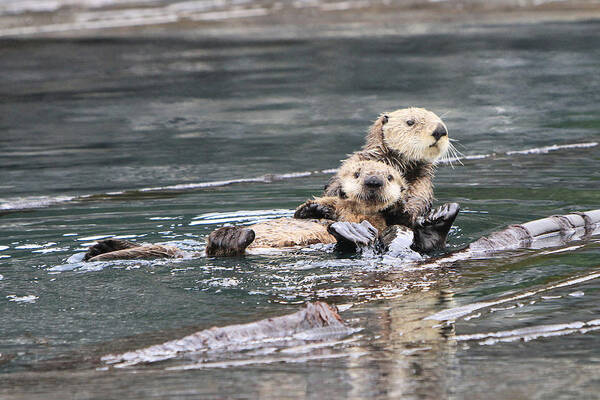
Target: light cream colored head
(417,133)
(372,184)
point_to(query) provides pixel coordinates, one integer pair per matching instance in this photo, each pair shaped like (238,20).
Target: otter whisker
(453,155)
(456,152)
(458,143)
(450,156)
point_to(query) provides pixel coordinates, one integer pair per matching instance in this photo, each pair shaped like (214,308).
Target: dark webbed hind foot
(352,235)
(107,246)
(432,229)
(229,241)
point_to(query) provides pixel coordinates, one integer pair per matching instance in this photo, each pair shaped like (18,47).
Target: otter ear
(376,131)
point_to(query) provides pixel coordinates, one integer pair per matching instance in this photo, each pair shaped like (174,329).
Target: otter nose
(440,130)
(373,182)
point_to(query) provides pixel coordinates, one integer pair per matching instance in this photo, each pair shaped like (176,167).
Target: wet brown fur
(289,232)
(145,252)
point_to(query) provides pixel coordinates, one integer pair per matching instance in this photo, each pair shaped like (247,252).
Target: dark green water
(86,124)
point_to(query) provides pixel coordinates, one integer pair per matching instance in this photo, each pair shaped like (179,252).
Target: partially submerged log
(552,231)
(546,232)
(317,321)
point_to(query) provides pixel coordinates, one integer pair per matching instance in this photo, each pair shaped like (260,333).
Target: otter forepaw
(432,229)
(352,235)
(396,236)
(229,241)
(396,241)
(310,210)
(107,246)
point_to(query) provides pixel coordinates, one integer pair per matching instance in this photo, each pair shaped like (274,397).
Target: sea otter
(411,140)
(369,186)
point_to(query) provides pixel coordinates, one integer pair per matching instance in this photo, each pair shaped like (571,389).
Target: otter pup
(369,187)
(411,140)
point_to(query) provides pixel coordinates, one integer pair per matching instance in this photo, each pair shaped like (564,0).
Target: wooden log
(546,232)
(317,321)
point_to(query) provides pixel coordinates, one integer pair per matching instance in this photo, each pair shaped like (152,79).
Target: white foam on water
(457,312)
(87,25)
(22,299)
(531,332)
(240,216)
(554,147)
(34,246)
(51,250)
(25,6)
(201,185)
(91,238)
(224,15)
(27,203)
(127,236)
(243,213)
(24,203)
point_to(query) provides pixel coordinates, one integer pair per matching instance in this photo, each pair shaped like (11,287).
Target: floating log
(317,321)
(546,232)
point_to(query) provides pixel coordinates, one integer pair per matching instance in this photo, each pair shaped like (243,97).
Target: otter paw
(442,216)
(396,236)
(107,246)
(432,229)
(352,234)
(311,210)
(229,241)
(396,241)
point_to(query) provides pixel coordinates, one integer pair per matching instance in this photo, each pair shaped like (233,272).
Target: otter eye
(356,175)
(390,178)
(410,122)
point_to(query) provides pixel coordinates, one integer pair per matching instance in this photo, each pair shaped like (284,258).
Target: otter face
(372,183)
(417,133)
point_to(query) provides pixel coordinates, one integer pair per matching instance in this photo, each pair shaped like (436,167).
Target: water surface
(118,137)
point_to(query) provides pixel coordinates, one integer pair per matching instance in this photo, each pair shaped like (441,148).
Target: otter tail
(107,246)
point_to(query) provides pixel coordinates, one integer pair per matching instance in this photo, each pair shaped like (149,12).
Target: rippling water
(163,140)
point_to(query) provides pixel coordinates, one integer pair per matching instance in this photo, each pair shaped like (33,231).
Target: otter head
(416,133)
(372,185)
